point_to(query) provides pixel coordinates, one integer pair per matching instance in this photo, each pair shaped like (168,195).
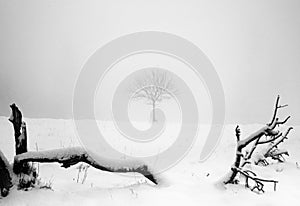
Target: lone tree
(244,158)
(154,87)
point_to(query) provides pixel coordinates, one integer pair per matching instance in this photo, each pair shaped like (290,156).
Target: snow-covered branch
(66,157)
(73,155)
(273,137)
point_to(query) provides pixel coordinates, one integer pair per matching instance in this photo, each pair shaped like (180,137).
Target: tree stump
(20,138)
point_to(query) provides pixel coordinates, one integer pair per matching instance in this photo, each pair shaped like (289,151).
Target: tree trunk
(153,108)
(234,172)
(73,155)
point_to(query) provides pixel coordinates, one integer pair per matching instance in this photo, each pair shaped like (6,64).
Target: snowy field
(190,182)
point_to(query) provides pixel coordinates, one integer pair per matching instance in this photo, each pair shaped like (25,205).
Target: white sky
(254,46)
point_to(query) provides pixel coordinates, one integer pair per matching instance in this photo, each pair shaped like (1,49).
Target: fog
(254,46)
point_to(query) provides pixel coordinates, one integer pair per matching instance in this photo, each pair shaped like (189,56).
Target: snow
(190,182)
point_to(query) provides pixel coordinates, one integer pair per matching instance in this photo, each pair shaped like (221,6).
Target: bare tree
(154,87)
(273,139)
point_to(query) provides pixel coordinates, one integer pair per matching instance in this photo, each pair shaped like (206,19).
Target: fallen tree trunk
(73,155)
(26,174)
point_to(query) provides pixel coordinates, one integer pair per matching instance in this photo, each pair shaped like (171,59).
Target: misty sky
(254,46)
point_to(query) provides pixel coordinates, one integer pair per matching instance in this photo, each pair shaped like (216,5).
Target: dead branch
(273,137)
(283,137)
(67,157)
(71,156)
(248,174)
(274,152)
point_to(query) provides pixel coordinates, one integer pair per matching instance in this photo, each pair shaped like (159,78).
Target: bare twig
(248,174)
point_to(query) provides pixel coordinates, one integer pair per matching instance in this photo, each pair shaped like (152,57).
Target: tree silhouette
(154,87)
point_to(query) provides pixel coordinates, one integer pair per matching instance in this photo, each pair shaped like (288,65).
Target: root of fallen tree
(23,174)
(272,139)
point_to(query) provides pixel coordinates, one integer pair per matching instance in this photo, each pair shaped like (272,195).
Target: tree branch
(271,139)
(258,181)
(242,159)
(71,156)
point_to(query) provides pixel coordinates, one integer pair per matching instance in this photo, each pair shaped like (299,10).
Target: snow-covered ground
(190,182)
